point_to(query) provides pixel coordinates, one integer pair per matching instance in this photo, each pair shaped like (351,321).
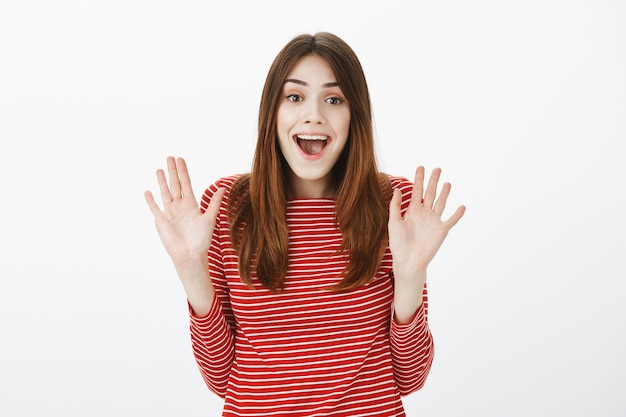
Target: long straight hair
(258,225)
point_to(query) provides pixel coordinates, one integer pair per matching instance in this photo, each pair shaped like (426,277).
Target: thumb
(395,206)
(214,205)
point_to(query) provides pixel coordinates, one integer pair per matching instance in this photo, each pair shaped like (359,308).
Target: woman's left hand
(415,238)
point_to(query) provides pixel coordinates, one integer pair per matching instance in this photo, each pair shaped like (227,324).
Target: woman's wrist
(194,275)
(408,296)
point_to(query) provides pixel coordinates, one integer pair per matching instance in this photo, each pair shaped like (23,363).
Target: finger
(172,171)
(418,186)
(395,206)
(456,216)
(185,181)
(166,196)
(440,204)
(154,207)
(431,190)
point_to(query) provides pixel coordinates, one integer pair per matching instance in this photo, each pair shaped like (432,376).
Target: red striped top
(308,351)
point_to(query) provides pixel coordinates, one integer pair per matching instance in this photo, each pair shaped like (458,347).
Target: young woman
(312,301)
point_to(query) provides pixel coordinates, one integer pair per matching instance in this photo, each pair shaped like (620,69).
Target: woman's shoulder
(402,183)
(398,181)
(227,183)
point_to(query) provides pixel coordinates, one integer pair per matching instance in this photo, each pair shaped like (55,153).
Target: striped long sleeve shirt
(308,351)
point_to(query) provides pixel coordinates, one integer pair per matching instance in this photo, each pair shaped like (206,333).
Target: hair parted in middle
(258,225)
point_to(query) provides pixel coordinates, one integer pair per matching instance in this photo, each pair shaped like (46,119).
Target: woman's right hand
(184,231)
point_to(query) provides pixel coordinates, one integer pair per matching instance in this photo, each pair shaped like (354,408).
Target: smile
(312,144)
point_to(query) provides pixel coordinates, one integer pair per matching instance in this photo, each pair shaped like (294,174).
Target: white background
(523,105)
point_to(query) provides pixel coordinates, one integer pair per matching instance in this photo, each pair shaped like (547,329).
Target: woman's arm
(412,349)
(416,233)
(414,239)
(186,231)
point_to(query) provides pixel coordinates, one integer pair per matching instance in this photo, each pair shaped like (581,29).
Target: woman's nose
(313,113)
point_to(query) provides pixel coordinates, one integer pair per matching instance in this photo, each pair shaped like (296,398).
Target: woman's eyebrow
(304,83)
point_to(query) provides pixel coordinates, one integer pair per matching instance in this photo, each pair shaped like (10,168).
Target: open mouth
(312,144)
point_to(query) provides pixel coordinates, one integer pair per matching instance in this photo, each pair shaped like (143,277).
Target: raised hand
(184,230)
(415,238)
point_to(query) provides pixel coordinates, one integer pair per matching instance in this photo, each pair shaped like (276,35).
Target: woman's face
(313,123)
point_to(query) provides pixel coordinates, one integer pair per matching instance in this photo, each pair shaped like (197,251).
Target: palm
(184,231)
(415,238)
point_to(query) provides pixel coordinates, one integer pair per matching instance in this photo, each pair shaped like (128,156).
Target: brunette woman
(312,300)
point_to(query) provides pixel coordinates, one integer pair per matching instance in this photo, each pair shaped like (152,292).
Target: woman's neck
(301,188)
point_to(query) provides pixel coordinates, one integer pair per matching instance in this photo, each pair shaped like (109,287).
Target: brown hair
(258,226)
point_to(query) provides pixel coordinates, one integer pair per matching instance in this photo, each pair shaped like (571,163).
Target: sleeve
(212,336)
(412,350)
(412,346)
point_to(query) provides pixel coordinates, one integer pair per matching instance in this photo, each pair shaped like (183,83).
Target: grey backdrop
(522,104)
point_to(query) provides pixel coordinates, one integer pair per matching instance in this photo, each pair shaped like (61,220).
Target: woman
(313,302)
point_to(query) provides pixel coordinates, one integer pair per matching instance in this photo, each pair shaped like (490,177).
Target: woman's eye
(294,98)
(334,100)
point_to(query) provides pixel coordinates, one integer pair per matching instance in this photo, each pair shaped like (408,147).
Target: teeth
(312,137)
